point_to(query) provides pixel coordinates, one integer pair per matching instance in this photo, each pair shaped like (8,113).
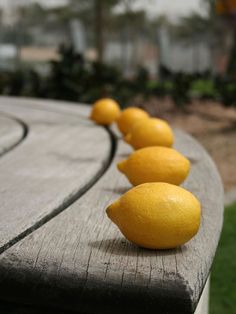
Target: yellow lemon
(157,215)
(155,164)
(150,132)
(105,111)
(129,117)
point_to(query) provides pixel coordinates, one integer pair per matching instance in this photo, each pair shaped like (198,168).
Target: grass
(223,278)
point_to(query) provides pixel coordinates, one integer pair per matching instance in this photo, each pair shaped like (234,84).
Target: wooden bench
(59,251)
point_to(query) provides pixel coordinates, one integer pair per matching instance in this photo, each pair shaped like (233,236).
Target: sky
(172,8)
(50,3)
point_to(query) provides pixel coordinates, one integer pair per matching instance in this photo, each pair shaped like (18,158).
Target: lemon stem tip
(121,165)
(127,138)
(110,210)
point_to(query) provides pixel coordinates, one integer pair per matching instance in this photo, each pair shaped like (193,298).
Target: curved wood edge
(204,182)
(89,267)
(48,105)
(12,132)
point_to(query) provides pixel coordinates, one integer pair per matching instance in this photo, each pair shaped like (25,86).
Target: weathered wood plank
(32,110)
(11,133)
(79,260)
(54,106)
(57,162)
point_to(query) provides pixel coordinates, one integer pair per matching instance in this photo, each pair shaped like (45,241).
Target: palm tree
(210,29)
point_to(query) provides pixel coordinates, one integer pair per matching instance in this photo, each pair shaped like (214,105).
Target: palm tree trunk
(99,28)
(231,69)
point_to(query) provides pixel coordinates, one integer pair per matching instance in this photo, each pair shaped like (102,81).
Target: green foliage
(227,91)
(72,78)
(11,35)
(160,88)
(181,87)
(223,277)
(231,69)
(203,88)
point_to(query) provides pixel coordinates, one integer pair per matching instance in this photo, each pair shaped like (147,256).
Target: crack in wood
(25,131)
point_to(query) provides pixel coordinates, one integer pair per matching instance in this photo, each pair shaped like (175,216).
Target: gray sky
(172,8)
(8,3)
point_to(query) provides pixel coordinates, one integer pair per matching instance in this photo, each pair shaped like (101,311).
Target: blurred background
(176,59)
(152,43)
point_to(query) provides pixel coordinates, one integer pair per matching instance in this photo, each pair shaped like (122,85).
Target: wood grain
(57,162)
(79,261)
(46,105)
(11,133)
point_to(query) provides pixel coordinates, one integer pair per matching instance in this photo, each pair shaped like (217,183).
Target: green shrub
(227,91)
(72,78)
(203,88)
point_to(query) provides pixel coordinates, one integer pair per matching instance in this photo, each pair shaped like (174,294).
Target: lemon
(129,117)
(150,132)
(105,111)
(155,164)
(157,215)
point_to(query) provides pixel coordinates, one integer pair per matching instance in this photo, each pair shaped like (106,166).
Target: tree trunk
(99,28)
(18,43)
(231,69)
